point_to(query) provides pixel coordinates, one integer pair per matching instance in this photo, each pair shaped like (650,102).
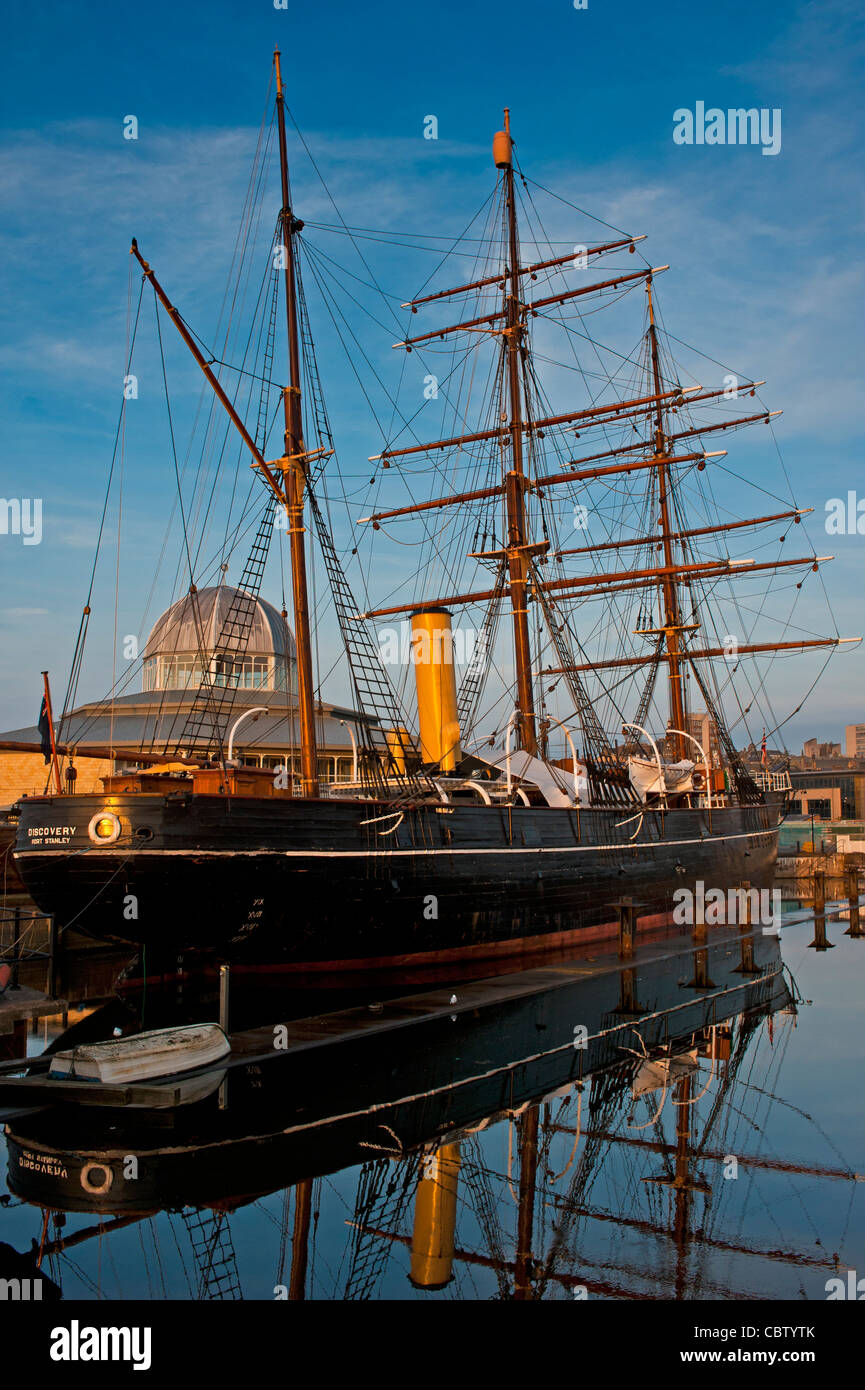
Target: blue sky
(765,251)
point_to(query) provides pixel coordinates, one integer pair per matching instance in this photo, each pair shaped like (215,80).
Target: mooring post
(628,1004)
(855,928)
(16,949)
(700,929)
(701,955)
(746,964)
(53,942)
(821,942)
(224,982)
(224,1002)
(819,893)
(701,971)
(627,927)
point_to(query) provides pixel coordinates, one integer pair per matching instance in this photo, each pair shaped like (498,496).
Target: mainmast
(515,482)
(294,469)
(514,434)
(672,611)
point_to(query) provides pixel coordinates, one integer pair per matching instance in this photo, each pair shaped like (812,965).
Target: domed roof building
(106,735)
(183,639)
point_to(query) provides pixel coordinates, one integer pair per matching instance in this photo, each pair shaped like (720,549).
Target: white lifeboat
(162,1052)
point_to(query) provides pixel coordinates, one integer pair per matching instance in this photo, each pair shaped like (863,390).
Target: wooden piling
(821,942)
(701,970)
(627,915)
(746,964)
(53,950)
(16,950)
(629,1004)
(224,984)
(700,932)
(855,927)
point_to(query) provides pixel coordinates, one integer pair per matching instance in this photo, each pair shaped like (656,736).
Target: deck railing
(17,926)
(774,781)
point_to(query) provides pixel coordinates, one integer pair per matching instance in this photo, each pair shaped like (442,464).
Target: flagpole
(48,711)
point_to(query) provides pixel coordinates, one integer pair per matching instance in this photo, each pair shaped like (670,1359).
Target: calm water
(730,1174)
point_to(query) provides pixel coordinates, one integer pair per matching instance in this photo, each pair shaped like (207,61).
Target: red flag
(763,749)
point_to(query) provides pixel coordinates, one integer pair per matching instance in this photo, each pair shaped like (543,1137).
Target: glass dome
(183,640)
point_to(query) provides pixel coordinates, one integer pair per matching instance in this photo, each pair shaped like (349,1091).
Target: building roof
(188,626)
(156,718)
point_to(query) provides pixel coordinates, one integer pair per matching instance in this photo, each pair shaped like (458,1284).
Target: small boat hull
(163,1052)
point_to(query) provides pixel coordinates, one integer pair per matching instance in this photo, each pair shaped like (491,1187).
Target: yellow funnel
(433,657)
(435,1219)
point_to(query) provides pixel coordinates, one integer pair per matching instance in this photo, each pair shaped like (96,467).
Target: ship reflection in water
(675,1128)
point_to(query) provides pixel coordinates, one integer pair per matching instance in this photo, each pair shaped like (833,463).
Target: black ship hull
(345,884)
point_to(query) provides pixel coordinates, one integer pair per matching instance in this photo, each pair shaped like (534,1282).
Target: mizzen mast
(294,469)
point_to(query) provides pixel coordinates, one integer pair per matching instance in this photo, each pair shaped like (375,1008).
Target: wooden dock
(346,1026)
(25,1005)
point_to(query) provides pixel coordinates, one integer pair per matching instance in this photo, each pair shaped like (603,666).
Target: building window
(181,672)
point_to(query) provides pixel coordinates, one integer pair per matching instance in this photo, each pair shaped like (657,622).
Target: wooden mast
(515,483)
(672,612)
(294,467)
(656,406)
(523,1263)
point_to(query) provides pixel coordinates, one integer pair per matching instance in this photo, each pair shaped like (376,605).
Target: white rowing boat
(162,1052)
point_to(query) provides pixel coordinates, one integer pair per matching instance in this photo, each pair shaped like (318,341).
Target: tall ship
(572,519)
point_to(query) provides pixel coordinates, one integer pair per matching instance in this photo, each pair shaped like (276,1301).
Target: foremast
(287,477)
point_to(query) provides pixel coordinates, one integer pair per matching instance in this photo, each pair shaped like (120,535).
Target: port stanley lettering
(50,834)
